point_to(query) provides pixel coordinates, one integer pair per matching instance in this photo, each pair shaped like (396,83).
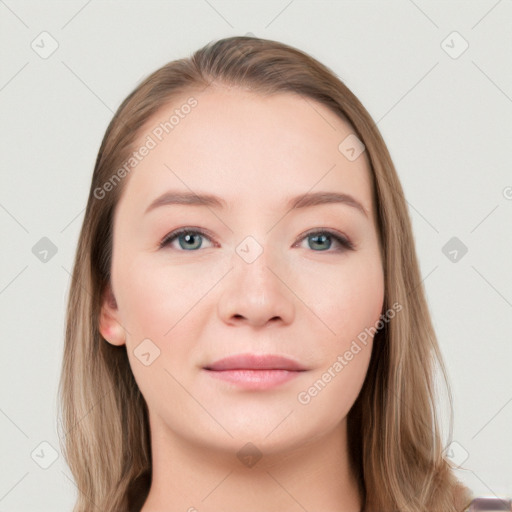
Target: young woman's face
(254,276)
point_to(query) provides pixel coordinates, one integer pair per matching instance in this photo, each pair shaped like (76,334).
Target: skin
(305,301)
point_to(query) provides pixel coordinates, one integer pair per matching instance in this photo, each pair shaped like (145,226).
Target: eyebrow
(301,201)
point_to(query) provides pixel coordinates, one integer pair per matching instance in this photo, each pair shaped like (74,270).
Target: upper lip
(255,362)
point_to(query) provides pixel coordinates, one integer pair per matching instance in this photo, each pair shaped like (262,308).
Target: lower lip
(255,379)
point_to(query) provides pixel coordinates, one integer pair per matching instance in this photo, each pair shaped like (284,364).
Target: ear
(109,327)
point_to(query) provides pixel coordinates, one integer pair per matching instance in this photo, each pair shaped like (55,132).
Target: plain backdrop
(435,75)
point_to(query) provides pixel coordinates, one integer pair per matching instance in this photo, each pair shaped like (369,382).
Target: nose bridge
(252,263)
(250,251)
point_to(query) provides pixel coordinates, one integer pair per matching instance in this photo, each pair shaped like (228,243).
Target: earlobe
(109,326)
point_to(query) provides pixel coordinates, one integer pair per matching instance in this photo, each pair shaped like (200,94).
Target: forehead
(245,146)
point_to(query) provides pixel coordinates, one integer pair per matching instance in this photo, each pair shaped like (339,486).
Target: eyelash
(344,242)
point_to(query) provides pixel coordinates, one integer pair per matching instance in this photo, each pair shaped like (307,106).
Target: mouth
(253,371)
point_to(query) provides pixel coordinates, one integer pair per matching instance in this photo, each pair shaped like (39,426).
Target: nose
(256,293)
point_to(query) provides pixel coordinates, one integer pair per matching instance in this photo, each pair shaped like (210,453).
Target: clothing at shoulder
(490,505)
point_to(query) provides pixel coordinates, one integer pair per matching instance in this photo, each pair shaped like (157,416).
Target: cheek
(162,312)
(157,296)
(349,301)
(347,296)
(168,305)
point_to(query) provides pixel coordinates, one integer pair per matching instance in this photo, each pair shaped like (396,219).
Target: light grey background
(445,115)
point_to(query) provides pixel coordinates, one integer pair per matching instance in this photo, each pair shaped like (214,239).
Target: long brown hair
(393,427)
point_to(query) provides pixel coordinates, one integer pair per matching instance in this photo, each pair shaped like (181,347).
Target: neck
(194,478)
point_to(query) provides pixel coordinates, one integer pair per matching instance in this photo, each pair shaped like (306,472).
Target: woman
(246,326)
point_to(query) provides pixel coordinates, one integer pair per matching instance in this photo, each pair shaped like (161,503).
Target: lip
(255,362)
(253,371)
